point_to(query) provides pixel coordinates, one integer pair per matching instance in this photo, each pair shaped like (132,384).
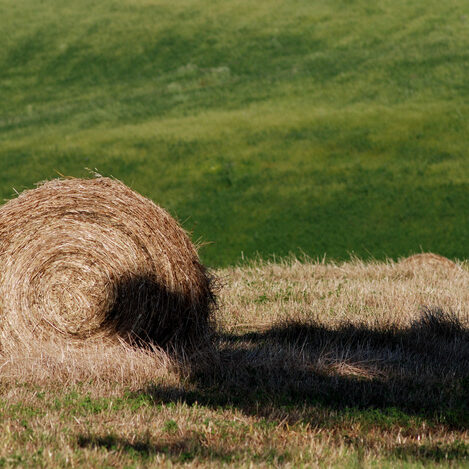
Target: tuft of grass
(438,323)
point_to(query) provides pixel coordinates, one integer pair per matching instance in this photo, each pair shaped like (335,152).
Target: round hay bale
(90,258)
(428,259)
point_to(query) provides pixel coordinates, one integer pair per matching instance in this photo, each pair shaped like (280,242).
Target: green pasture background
(272,127)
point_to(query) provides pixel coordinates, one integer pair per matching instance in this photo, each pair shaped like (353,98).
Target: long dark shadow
(184,449)
(420,370)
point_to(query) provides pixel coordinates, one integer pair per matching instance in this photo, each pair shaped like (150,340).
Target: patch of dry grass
(315,364)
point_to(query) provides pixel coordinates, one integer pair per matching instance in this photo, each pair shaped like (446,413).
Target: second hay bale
(90,258)
(429,259)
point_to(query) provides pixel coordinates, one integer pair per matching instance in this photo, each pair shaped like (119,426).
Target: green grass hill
(268,127)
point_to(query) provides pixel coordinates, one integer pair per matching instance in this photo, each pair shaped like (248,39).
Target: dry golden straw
(93,259)
(429,259)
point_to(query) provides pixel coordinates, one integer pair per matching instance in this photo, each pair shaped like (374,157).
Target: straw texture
(90,258)
(429,259)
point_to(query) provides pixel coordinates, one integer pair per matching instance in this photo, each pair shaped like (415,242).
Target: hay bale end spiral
(90,258)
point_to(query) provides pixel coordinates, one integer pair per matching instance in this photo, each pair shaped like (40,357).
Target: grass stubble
(315,364)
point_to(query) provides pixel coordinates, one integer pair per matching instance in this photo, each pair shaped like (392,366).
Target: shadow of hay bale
(421,369)
(92,259)
(181,320)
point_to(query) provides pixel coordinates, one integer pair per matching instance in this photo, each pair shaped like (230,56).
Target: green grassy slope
(331,126)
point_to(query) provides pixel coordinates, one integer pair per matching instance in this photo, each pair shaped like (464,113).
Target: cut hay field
(283,128)
(266,127)
(315,365)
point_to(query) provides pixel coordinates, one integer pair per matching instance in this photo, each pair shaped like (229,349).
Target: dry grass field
(314,364)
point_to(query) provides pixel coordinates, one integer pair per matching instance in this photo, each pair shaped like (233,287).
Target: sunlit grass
(315,365)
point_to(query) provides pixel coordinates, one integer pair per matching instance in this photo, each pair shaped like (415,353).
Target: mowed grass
(266,127)
(314,365)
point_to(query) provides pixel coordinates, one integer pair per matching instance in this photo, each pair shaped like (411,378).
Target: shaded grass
(317,127)
(380,376)
(435,453)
